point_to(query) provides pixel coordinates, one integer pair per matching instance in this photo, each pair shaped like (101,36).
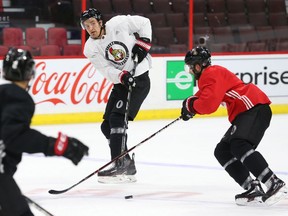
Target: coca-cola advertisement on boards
(68,85)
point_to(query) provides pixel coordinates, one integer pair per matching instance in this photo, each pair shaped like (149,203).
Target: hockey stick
(37,206)
(126,116)
(116,158)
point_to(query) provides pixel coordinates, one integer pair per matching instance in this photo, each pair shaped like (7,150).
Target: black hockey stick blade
(38,207)
(116,158)
(65,190)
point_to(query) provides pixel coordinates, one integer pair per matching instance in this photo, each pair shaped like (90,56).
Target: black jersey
(16,111)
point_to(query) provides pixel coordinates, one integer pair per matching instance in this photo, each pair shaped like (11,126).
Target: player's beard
(197,74)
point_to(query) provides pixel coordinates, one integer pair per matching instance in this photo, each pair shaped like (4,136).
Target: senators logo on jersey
(117,52)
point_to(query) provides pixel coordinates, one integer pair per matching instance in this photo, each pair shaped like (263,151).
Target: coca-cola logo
(79,86)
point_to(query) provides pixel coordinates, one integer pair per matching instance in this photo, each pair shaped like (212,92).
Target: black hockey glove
(68,147)
(187,110)
(141,48)
(127,79)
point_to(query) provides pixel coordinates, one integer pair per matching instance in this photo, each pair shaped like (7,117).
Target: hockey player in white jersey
(114,48)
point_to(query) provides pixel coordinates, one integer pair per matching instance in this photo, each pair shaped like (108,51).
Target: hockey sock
(117,134)
(232,166)
(116,137)
(105,128)
(252,159)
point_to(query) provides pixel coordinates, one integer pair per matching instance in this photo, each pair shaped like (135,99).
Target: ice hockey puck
(129,197)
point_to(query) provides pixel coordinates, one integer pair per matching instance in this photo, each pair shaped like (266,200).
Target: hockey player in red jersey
(249,114)
(16,111)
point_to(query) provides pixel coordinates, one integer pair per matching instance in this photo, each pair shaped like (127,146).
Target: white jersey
(112,54)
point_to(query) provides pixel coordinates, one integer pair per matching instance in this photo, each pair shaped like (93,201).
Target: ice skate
(252,197)
(276,192)
(121,171)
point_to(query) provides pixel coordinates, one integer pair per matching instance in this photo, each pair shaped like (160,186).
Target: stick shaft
(116,158)
(126,116)
(37,206)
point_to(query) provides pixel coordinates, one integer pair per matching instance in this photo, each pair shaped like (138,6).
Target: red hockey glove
(187,110)
(141,48)
(68,147)
(127,79)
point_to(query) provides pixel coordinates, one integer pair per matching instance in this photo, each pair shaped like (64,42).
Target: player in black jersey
(16,111)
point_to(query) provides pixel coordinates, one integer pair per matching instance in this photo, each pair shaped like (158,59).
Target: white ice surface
(177,172)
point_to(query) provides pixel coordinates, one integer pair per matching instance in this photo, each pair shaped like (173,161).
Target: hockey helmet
(18,65)
(198,55)
(91,12)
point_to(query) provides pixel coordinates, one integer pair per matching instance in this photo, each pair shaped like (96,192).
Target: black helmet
(91,12)
(18,65)
(198,55)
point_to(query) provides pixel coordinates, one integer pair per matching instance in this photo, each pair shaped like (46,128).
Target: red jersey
(218,85)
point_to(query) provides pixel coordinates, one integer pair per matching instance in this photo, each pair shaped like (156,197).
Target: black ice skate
(121,171)
(251,197)
(276,192)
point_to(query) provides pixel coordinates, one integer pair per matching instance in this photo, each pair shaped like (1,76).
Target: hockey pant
(236,150)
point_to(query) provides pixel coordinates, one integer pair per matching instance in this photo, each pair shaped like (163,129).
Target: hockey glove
(68,147)
(141,48)
(127,79)
(187,110)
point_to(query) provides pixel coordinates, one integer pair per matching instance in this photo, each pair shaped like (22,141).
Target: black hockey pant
(113,124)
(236,150)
